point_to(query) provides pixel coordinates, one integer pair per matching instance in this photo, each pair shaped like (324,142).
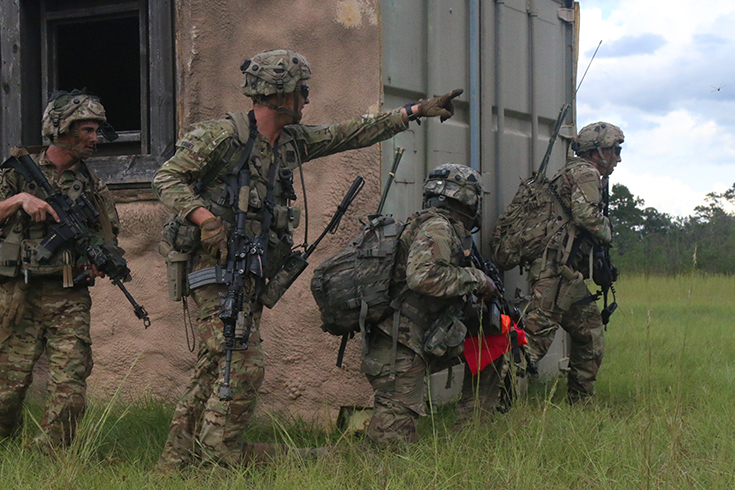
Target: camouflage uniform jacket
(73,182)
(210,142)
(579,186)
(432,253)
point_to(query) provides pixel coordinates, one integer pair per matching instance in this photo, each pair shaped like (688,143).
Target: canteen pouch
(176,274)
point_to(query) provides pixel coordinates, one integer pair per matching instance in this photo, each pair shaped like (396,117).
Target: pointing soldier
(197,185)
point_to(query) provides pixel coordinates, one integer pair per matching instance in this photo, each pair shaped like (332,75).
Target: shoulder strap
(242,126)
(105,222)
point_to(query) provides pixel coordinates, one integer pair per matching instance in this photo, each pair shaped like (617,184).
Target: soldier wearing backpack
(560,297)
(431,280)
(216,163)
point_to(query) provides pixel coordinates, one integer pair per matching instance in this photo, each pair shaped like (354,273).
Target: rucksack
(533,217)
(352,287)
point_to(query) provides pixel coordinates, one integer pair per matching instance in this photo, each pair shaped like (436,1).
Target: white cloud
(680,132)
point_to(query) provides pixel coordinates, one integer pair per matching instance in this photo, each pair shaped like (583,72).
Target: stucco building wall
(341,40)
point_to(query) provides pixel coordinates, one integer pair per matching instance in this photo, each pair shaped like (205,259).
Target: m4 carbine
(75,220)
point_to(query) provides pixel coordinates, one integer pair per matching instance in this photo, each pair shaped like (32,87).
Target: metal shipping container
(516,60)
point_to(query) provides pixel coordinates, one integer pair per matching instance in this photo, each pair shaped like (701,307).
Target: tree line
(650,242)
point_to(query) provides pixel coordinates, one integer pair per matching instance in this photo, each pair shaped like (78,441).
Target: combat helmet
(66,107)
(597,136)
(453,182)
(274,72)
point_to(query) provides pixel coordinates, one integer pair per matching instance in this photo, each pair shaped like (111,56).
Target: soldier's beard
(79,151)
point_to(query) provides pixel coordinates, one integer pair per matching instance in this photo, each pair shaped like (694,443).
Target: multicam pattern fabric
(430,261)
(61,112)
(458,182)
(560,297)
(202,425)
(582,321)
(398,402)
(597,135)
(76,180)
(580,188)
(50,318)
(55,321)
(272,72)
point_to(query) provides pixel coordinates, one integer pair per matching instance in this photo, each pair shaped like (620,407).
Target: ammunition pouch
(445,336)
(572,289)
(10,251)
(177,266)
(182,236)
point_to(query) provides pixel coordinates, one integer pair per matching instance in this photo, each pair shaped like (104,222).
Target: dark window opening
(104,57)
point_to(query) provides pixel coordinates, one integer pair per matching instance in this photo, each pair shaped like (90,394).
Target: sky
(664,73)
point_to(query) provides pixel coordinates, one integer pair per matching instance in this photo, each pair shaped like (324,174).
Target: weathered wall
(341,39)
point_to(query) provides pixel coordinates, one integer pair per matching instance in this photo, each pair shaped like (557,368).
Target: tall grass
(662,418)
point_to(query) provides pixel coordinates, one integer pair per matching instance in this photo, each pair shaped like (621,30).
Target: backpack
(533,217)
(352,287)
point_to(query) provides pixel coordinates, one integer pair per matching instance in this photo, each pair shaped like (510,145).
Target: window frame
(27,72)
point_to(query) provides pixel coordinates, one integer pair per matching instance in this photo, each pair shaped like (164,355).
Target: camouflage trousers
(203,426)
(560,301)
(400,401)
(54,320)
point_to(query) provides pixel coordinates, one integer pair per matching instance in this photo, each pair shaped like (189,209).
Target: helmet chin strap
(603,158)
(282,110)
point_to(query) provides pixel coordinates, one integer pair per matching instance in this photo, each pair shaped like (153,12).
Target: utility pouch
(282,280)
(445,336)
(285,218)
(176,270)
(181,236)
(10,252)
(572,289)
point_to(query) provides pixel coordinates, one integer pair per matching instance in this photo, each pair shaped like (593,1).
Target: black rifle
(604,273)
(296,263)
(498,305)
(75,220)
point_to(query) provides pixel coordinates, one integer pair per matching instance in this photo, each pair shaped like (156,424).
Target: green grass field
(661,419)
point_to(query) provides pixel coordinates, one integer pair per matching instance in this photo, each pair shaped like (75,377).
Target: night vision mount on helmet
(451,181)
(64,108)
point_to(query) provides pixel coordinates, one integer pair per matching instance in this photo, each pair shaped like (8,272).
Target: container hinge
(567,15)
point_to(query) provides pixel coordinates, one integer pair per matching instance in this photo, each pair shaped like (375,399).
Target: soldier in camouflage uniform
(431,280)
(41,309)
(560,297)
(194,184)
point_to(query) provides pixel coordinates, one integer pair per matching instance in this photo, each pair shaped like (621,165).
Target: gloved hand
(441,106)
(214,239)
(13,312)
(488,289)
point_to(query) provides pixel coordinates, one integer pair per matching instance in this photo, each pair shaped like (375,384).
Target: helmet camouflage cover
(597,135)
(66,107)
(457,182)
(274,72)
